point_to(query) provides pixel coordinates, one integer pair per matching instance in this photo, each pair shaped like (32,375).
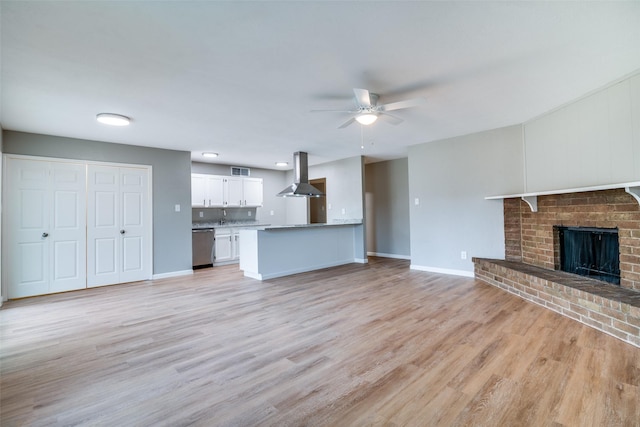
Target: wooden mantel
(633,188)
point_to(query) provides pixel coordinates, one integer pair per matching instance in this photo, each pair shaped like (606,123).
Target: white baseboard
(442,270)
(172,274)
(267,276)
(361,260)
(383,255)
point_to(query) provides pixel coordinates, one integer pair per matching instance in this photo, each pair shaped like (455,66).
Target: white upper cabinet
(206,190)
(252,191)
(214,191)
(233,192)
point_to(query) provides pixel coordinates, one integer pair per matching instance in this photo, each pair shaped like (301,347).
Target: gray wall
(451,178)
(387,207)
(171,186)
(273,182)
(1,151)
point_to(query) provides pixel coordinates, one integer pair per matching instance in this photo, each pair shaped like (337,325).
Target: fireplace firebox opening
(591,252)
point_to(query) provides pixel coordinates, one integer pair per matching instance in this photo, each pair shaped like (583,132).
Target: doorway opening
(318,205)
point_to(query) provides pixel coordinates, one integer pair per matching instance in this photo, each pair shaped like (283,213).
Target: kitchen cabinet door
(198,190)
(223,250)
(252,191)
(235,243)
(233,196)
(215,191)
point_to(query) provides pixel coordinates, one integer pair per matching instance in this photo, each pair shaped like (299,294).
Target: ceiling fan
(367,109)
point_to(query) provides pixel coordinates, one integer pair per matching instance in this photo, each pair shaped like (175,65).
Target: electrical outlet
(416,201)
(271,213)
(463,255)
(201,214)
(344,211)
(249,213)
(328,205)
(177,207)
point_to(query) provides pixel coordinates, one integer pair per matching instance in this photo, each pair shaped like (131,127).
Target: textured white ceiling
(240,78)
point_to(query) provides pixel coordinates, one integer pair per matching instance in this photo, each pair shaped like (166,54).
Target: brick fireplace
(532,259)
(530,237)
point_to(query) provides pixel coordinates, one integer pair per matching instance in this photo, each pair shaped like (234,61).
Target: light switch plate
(177,208)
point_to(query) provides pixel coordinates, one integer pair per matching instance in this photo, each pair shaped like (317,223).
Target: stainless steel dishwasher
(202,247)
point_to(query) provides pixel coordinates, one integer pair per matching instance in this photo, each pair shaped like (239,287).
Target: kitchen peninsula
(276,251)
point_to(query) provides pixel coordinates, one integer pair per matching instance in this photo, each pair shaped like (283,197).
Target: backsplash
(226,214)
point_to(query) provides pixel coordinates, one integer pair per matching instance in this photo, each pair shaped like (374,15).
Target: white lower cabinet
(70,224)
(223,250)
(226,246)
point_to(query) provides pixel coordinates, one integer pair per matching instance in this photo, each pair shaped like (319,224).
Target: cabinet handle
(122,231)
(45,235)
(204,202)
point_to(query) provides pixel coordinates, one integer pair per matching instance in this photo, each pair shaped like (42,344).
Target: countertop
(216,225)
(290,226)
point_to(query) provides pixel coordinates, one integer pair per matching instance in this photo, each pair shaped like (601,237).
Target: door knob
(44,235)
(122,231)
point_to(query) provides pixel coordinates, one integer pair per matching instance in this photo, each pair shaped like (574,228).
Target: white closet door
(103,220)
(119,225)
(135,228)
(68,227)
(45,227)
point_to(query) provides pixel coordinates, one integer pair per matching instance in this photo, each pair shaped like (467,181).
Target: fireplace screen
(592,252)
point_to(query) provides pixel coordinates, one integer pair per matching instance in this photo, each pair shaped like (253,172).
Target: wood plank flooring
(374,344)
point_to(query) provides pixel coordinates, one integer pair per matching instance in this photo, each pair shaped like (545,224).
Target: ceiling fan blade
(408,103)
(391,119)
(333,111)
(347,123)
(363,99)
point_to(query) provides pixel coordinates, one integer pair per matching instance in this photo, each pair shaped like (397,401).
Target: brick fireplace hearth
(530,236)
(532,258)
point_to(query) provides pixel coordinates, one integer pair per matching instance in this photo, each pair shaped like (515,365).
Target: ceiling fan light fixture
(113,119)
(366,118)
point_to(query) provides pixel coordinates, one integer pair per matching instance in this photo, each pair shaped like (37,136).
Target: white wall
(592,141)
(451,178)
(344,187)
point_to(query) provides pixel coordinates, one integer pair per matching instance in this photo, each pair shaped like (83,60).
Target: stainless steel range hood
(300,186)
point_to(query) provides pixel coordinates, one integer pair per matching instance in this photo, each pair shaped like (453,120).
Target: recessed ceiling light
(210,155)
(282,164)
(366,118)
(113,119)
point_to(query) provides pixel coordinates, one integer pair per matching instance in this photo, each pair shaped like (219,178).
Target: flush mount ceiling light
(113,119)
(282,164)
(210,155)
(366,118)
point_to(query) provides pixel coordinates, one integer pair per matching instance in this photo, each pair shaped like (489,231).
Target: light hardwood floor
(374,344)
